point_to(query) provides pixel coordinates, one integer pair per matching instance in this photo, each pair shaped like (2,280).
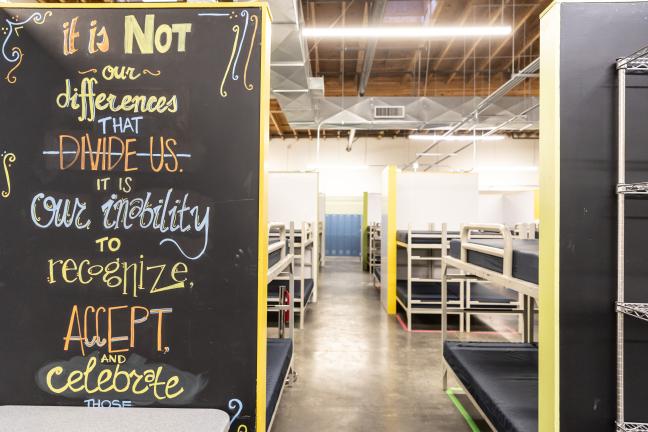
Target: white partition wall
(374,208)
(294,197)
(508,208)
(424,198)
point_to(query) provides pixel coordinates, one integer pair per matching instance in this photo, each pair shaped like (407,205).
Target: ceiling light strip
(405,32)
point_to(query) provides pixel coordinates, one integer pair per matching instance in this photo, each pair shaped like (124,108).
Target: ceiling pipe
(509,85)
(377,15)
(349,146)
(490,132)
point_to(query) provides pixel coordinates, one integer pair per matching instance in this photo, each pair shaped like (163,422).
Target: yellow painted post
(391,240)
(549,355)
(262,307)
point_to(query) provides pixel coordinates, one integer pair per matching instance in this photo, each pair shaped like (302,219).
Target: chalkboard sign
(131,142)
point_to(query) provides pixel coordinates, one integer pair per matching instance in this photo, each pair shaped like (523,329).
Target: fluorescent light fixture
(337,167)
(510,168)
(419,137)
(404,32)
(435,154)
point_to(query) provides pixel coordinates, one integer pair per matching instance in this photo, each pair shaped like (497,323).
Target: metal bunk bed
(635,63)
(500,378)
(420,291)
(484,295)
(280,369)
(374,252)
(304,257)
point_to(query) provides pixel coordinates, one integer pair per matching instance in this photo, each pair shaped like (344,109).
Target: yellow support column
(391,240)
(549,355)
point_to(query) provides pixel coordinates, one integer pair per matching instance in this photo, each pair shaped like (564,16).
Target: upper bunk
(490,252)
(421,239)
(280,255)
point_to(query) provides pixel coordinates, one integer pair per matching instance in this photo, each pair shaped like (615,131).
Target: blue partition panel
(343,232)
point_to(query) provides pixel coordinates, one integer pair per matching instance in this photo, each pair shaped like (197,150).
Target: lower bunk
(302,296)
(278,370)
(501,379)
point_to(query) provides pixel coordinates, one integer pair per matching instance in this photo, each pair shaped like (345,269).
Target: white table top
(83,419)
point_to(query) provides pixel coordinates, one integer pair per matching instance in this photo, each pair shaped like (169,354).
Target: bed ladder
(637,62)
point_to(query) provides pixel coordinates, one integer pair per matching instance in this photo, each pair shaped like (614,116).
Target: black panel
(592,36)
(209,339)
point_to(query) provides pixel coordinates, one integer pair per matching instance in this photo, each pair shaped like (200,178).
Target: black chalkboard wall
(592,36)
(129,214)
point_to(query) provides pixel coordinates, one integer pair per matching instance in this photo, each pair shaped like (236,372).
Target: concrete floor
(359,370)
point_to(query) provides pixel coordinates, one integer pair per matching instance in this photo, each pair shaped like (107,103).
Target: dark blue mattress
(488,293)
(427,291)
(503,379)
(401,236)
(525,257)
(274,288)
(279,356)
(274,258)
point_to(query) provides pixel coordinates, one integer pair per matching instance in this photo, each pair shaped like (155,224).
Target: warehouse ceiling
(419,72)
(432,69)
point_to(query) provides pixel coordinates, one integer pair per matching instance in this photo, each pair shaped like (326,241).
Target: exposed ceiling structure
(350,73)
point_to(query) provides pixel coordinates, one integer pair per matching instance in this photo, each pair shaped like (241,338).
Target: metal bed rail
(284,306)
(472,272)
(431,262)
(305,262)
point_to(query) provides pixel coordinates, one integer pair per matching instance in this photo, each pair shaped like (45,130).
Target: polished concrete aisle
(359,371)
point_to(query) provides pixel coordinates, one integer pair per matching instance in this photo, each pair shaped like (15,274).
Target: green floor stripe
(451,394)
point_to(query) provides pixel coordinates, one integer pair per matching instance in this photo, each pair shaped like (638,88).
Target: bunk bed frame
(506,279)
(375,253)
(285,310)
(436,242)
(305,258)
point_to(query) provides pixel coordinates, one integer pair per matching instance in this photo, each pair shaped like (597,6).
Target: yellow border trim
(264,140)
(201,5)
(549,346)
(391,240)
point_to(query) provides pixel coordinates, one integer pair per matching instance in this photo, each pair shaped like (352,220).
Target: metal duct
(377,15)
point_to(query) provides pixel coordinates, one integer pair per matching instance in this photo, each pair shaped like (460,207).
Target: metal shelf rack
(636,63)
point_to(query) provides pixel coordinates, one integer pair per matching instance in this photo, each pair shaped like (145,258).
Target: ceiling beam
(276,125)
(474,46)
(445,51)
(429,20)
(314,24)
(377,14)
(526,46)
(343,5)
(362,48)
(505,42)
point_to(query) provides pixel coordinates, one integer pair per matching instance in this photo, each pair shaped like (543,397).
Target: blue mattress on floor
(432,237)
(502,378)
(488,293)
(525,257)
(427,291)
(274,288)
(279,357)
